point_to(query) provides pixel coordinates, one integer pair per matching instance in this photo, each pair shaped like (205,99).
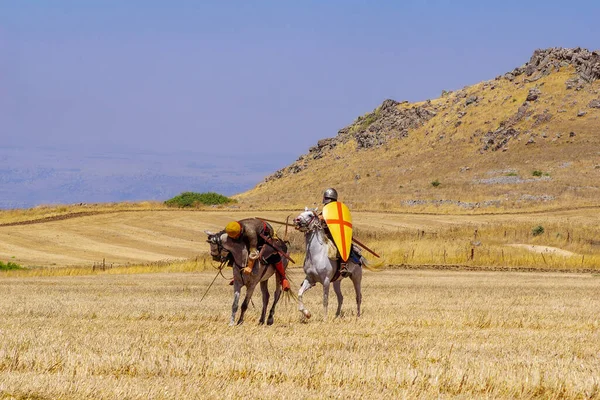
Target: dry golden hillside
(527,140)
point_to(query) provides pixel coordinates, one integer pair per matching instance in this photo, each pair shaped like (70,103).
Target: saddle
(270,247)
(269,255)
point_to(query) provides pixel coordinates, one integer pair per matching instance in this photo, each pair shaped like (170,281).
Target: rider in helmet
(329,195)
(249,231)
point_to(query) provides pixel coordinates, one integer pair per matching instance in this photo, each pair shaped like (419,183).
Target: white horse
(320,264)
(221,246)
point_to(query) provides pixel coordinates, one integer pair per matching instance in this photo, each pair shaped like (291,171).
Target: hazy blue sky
(231,77)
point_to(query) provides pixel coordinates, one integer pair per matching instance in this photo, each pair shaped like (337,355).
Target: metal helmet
(330,195)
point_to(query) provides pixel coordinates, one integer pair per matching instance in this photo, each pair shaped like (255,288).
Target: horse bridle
(221,253)
(311,225)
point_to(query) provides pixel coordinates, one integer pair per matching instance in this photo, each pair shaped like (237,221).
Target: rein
(219,272)
(235,264)
(316,226)
(313,226)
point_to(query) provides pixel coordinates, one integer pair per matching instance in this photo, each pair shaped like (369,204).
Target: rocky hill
(527,139)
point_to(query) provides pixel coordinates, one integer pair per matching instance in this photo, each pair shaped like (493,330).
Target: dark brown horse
(222,246)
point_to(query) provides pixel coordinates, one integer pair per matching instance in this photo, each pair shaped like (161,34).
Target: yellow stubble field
(423,334)
(140,331)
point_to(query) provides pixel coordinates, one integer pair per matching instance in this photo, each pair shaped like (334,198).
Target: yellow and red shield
(338,218)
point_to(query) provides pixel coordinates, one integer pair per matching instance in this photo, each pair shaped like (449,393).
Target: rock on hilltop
(544,62)
(373,129)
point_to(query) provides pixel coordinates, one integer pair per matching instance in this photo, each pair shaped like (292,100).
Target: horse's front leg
(337,288)
(237,287)
(275,299)
(249,291)
(305,286)
(264,288)
(326,284)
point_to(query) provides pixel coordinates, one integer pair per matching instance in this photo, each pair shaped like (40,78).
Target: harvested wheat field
(423,334)
(128,237)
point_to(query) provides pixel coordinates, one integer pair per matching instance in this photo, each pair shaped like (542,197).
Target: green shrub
(368,120)
(512,174)
(9,265)
(538,230)
(193,199)
(363,122)
(537,173)
(436,183)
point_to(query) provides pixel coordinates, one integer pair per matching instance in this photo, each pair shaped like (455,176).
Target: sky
(260,77)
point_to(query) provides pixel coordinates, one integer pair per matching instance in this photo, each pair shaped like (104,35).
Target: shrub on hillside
(9,265)
(537,173)
(436,183)
(538,230)
(193,199)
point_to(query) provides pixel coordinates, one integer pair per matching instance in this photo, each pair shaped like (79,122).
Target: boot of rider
(343,268)
(249,266)
(285,284)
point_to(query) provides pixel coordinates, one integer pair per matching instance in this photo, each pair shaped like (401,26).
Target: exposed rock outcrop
(542,118)
(386,122)
(495,140)
(499,138)
(533,94)
(545,61)
(390,120)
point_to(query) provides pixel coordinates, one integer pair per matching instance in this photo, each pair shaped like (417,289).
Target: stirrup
(344,270)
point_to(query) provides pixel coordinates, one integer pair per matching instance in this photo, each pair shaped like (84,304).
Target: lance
(276,222)
(353,239)
(364,247)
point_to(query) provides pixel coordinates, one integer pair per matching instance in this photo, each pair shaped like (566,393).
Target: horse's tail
(366,264)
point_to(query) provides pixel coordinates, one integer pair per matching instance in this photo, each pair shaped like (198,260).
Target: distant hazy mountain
(35,176)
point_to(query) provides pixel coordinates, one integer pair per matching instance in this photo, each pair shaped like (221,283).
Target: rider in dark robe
(250,232)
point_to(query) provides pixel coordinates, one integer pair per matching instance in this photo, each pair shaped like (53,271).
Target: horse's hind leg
(326,284)
(305,286)
(275,300)
(337,288)
(356,280)
(264,288)
(249,291)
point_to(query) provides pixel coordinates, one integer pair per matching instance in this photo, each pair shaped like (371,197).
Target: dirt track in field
(122,237)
